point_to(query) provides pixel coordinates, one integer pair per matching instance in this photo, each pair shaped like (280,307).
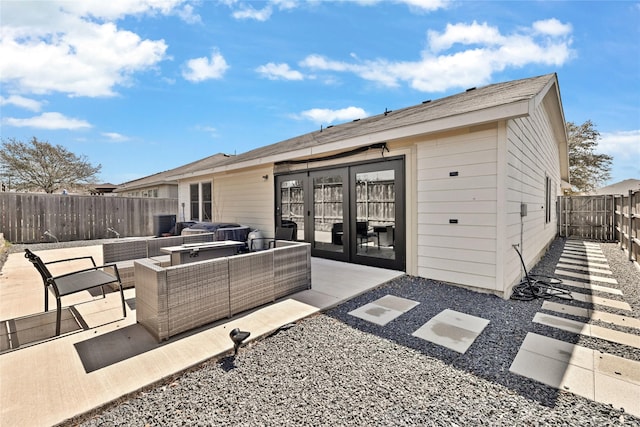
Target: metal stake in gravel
(238,336)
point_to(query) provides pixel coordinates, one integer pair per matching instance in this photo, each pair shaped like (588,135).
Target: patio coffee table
(192,252)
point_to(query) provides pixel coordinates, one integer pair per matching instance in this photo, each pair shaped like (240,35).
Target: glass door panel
(378,212)
(290,204)
(328,214)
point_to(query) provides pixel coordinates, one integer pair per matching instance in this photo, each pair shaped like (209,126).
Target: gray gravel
(335,369)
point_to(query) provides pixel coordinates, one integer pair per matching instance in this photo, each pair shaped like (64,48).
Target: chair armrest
(97,267)
(72,259)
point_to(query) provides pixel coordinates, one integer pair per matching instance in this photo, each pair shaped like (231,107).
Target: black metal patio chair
(75,281)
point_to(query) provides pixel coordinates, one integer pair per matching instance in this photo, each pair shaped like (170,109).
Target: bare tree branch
(38,165)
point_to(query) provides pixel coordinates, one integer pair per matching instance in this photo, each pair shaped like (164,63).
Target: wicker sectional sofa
(172,300)
(125,251)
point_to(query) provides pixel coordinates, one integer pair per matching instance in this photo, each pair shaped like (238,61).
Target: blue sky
(145,86)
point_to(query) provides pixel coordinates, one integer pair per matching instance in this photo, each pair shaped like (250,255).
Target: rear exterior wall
(532,156)
(457,208)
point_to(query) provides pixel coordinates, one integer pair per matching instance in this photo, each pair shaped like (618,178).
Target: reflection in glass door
(377,209)
(328,214)
(291,204)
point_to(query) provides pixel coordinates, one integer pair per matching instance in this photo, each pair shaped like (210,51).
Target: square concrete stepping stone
(592,374)
(452,329)
(384,310)
(556,363)
(603,316)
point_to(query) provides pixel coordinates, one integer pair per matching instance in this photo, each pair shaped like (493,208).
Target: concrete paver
(384,310)
(452,329)
(592,374)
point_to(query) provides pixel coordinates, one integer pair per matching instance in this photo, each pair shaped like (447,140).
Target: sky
(141,87)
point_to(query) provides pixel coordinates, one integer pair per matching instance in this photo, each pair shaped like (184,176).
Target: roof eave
(474,118)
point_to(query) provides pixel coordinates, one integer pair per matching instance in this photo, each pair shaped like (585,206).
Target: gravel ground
(335,369)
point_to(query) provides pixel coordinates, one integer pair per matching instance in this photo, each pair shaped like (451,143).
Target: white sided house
(440,190)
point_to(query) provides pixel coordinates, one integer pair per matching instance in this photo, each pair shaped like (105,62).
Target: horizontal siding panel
(455,265)
(466,171)
(463,218)
(472,280)
(457,253)
(245,198)
(488,245)
(447,196)
(458,230)
(458,183)
(435,151)
(461,159)
(463,143)
(455,207)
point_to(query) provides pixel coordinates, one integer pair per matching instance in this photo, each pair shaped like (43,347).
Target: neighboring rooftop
(168,176)
(621,187)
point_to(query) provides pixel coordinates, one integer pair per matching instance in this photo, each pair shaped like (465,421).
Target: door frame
(349,172)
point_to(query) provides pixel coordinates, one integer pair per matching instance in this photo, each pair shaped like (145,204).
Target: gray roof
(493,95)
(168,177)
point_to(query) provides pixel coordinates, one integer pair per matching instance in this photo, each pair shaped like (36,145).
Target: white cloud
(621,144)
(274,71)
(242,10)
(466,34)
(461,56)
(187,15)
(115,137)
(212,131)
(50,121)
(21,102)
(327,116)
(552,27)
(426,5)
(75,47)
(248,12)
(200,69)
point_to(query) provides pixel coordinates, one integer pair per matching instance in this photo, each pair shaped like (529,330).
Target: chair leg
(46,299)
(58,315)
(124,308)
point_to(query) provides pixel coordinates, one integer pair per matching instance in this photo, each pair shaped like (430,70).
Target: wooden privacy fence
(610,217)
(36,217)
(627,223)
(587,217)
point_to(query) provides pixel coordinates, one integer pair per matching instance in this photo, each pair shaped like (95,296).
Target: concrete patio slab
(113,356)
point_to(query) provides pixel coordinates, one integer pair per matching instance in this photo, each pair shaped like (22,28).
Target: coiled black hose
(536,286)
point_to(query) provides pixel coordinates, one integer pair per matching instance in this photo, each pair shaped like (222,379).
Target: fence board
(605,217)
(24,217)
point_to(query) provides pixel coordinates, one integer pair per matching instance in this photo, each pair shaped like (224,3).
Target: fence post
(630,245)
